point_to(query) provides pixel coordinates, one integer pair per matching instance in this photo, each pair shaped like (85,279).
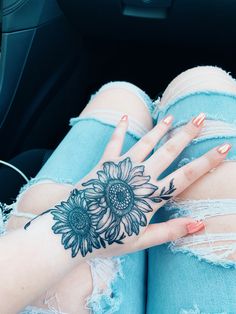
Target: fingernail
(198,121)
(223,149)
(124,118)
(168,119)
(195,226)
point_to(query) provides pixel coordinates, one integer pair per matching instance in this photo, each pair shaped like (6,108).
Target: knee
(200,78)
(42,196)
(123,98)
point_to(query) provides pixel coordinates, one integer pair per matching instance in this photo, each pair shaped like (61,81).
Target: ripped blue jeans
(177,277)
(78,154)
(194,275)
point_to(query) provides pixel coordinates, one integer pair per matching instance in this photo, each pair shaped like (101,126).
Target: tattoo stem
(29,223)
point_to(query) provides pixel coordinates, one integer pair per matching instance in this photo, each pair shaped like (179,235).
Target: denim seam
(166,107)
(74,121)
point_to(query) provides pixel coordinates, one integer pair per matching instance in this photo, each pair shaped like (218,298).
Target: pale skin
(39,251)
(219,184)
(173,229)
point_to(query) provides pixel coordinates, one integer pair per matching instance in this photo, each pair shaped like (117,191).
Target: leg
(198,271)
(70,162)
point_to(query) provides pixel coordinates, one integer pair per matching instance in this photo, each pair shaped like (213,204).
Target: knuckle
(162,128)
(213,159)
(171,148)
(115,137)
(189,173)
(170,232)
(190,131)
(148,141)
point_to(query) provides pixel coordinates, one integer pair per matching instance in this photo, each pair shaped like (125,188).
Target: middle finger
(167,153)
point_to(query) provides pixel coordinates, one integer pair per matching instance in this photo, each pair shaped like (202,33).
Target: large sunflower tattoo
(111,206)
(119,197)
(74,223)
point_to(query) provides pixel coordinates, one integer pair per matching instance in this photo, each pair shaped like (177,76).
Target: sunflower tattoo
(109,208)
(119,197)
(75,224)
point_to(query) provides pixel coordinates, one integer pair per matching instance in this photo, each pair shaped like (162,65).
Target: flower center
(119,197)
(79,221)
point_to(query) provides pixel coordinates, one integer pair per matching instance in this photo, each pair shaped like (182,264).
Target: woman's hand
(107,214)
(109,211)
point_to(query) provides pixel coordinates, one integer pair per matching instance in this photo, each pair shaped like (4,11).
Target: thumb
(170,230)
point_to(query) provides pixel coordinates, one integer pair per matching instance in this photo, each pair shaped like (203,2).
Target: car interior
(56,53)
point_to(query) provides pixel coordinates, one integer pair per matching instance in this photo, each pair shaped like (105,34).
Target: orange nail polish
(223,149)
(195,227)
(168,119)
(124,118)
(198,121)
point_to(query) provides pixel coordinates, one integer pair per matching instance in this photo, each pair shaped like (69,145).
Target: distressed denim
(168,279)
(183,278)
(76,156)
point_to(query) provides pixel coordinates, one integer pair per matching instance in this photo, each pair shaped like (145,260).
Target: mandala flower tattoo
(75,224)
(108,209)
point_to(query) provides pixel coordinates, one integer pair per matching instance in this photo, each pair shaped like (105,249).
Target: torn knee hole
(217,242)
(104,297)
(32,199)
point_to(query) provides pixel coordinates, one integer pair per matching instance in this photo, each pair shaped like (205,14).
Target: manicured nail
(168,119)
(198,121)
(124,118)
(223,149)
(195,226)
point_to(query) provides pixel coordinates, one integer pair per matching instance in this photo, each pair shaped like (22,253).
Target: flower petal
(102,176)
(60,216)
(98,188)
(94,208)
(127,223)
(68,239)
(61,228)
(105,222)
(64,206)
(114,170)
(95,241)
(95,218)
(143,205)
(102,202)
(135,228)
(137,171)
(90,193)
(75,249)
(145,190)
(113,232)
(138,180)
(110,169)
(139,216)
(91,182)
(125,167)
(84,247)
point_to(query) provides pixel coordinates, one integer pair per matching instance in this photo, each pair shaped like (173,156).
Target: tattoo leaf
(165,195)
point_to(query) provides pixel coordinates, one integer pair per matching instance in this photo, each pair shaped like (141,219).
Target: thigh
(103,285)
(196,274)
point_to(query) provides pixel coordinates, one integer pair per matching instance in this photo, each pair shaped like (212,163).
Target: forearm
(31,261)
